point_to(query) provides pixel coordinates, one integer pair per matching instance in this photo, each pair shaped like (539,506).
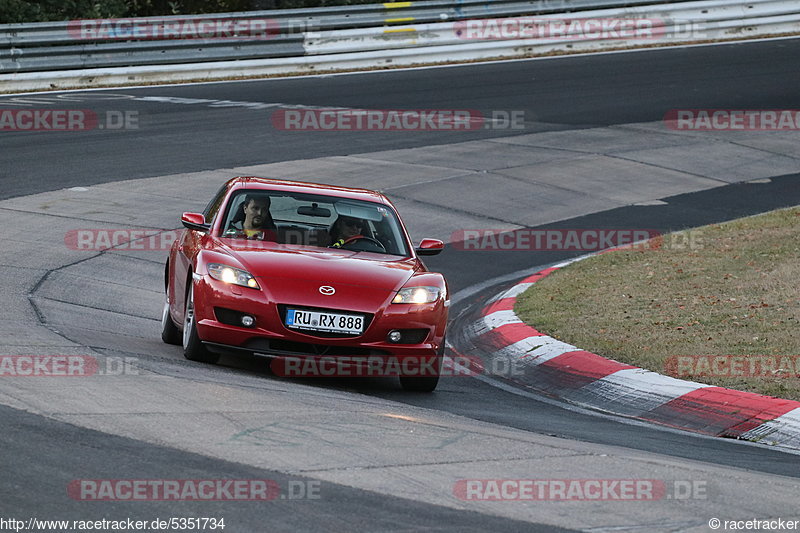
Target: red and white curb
(561,370)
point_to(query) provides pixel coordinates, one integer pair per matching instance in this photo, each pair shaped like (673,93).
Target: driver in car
(254,220)
(346,230)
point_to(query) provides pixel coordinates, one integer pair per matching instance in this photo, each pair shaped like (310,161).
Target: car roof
(290,186)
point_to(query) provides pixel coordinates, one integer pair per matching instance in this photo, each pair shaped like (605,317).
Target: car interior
(308,221)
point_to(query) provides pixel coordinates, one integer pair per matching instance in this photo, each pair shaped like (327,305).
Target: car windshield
(314,220)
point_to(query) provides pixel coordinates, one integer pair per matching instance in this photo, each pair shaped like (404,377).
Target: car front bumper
(269,336)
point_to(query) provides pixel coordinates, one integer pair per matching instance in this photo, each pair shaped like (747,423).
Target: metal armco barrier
(693,21)
(59,45)
(86,53)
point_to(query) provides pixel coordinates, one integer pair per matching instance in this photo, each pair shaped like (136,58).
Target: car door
(188,246)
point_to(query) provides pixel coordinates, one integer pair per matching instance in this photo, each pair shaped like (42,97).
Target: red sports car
(301,271)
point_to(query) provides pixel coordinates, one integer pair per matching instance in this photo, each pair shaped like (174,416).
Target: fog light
(248,321)
(394,336)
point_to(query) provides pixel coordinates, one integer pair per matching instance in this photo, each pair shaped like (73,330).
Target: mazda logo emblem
(327,290)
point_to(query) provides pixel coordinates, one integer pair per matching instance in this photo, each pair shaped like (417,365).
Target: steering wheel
(362,238)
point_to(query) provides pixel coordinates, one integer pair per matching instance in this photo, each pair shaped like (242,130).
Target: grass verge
(723,311)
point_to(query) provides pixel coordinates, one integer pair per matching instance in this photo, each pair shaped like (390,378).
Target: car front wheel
(193,348)
(424,383)
(169,331)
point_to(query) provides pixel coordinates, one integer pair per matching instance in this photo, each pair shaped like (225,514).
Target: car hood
(362,281)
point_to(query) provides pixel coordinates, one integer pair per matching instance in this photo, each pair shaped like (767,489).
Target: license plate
(321,321)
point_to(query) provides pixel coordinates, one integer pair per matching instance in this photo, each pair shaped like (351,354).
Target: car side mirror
(195,221)
(429,247)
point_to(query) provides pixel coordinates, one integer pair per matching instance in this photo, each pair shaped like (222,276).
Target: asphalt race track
(568,93)
(385,460)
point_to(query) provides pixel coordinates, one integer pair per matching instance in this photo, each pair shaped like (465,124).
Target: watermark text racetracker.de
(560,28)
(383,366)
(577,28)
(100,239)
(222,28)
(733,366)
(587,240)
(733,119)
(548,490)
(67,120)
(481,239)
(149,490)
(413,120)
(65,366)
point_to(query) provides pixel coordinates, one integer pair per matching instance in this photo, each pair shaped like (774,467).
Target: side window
(213,206)
(234,207)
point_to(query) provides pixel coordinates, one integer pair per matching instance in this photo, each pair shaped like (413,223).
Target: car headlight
(417,295)
(236,276)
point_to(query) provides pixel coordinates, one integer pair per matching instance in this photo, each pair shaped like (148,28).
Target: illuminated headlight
(232,275)
(416,295)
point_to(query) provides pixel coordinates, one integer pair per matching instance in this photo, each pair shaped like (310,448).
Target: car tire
(424,383)
(170,333)
(193,348)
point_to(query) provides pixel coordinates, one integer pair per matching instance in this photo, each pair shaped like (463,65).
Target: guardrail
(80,53)
(698,21)
(281,33)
